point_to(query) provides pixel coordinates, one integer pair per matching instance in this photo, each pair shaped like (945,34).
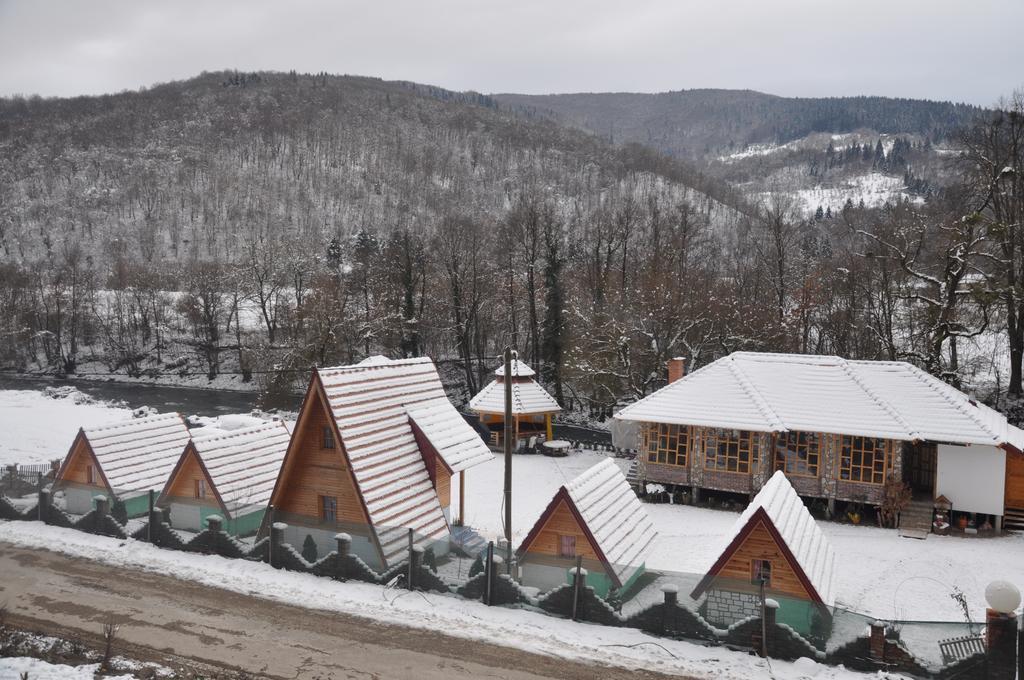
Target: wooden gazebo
(532,406)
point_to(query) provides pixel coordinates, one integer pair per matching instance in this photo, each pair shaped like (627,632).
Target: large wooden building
(837,428)
(373,454)
(123,460)
(228,473)
(532,407)
(775,542)
(598,517)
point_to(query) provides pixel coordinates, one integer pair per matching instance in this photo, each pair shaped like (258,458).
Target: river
(192,400)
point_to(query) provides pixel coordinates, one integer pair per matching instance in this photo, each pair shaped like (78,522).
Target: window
(89,475)
(328,437)
(728,450)
(200,488)
(567,546)
(328,508)
(796,453)
(862,459)
(667,444)
(761,570)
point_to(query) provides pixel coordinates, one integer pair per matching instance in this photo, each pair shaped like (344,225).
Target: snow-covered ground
(878,574)
(36,428)
(37,669)
(539,633)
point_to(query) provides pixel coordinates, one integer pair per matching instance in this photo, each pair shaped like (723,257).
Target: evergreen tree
(309,552)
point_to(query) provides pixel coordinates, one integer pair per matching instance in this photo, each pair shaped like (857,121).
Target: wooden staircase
(916,519)
(1013,520)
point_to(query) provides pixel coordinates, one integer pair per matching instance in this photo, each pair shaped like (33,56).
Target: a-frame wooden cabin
(775,540)
(372,455)
(121,460)
(227,473)
(598,517)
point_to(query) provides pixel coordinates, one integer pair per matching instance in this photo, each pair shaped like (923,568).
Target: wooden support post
(547,426)
(462,499)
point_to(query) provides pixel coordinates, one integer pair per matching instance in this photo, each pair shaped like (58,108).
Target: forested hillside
(258,224)
(701,123)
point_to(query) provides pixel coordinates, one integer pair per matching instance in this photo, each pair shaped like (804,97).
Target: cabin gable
(312,471)
(760,544)
(560,521)
(75,469)
(184,483)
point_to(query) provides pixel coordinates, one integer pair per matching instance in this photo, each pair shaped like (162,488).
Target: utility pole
(508,450)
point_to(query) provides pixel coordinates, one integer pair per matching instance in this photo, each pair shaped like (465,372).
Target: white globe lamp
(1002,596)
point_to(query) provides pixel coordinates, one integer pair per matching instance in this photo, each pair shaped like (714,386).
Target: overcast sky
(962,50)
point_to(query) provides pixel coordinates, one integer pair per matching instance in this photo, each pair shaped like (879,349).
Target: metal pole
(508,445)
(410,558)
(488,572)
(149,524)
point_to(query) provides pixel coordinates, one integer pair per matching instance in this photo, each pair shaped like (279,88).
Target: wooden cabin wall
(562,522)
(759,545)
(75,472)
(312,471)
(442,484)
(183,486)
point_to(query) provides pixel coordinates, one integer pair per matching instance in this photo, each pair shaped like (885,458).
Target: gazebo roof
(528,398)
(519,370)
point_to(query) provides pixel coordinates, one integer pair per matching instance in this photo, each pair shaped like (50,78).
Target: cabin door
(919,464)
(1015,480)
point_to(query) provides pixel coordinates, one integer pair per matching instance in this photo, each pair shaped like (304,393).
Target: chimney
(676,369)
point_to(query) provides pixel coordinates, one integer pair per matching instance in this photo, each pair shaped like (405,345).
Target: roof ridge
(884,403)
(762,404)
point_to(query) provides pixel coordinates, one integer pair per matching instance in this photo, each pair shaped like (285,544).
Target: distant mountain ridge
(697,123)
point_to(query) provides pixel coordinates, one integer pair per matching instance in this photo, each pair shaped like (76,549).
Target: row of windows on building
(861,459)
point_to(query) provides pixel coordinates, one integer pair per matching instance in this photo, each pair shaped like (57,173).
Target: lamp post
(508,456)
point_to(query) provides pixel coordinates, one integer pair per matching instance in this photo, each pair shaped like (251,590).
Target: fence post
(276,539)
(768,626)
(576,583)
(671,593)
(156,516)
(102,505)
(344,548)
(43,505)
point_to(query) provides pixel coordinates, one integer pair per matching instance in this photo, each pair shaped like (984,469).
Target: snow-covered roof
(243,464)
(373,404)
(519,369)
(527,397)
(615,517)
(138,454)
(798,530)
(782,392)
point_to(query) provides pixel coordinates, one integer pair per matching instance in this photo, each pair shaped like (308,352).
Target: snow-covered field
(879,574)
(36,428)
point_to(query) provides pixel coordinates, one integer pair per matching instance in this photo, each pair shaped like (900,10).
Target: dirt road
(165,618)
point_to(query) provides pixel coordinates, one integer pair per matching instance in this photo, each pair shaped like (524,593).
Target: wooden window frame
(788,456)
(327,437)
(322,503)
(562,539)
(757,570)
(199,489)
(852,465)
(90,475)
(717,460)
(667,444)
